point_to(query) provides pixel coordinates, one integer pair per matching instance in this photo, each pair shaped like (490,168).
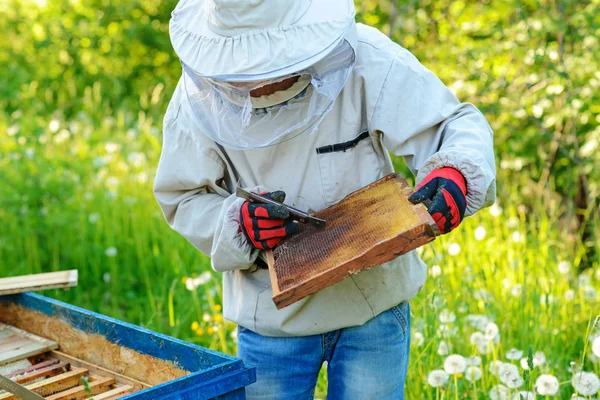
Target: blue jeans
(363,362)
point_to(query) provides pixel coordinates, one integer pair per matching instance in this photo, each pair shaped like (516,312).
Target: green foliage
(82,96)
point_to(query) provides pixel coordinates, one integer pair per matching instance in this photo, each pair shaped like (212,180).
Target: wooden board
(368,227)
(16,344)
(113,394)
(30,283)
(53,385)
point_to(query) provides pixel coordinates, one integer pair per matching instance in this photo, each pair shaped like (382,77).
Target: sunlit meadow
(506,313)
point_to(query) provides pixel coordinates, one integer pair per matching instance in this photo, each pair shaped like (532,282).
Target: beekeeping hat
(257,38)
(228,48)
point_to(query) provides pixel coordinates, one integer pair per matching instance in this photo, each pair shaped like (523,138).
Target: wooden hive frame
(369,227)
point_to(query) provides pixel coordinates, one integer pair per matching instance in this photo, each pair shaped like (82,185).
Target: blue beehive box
(155,366)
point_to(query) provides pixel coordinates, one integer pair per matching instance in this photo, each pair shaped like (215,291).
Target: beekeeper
(292,97)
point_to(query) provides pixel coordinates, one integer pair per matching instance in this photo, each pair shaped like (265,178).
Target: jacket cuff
(231,250)
(481,187)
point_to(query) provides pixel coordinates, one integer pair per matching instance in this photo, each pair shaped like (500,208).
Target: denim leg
(370,361)
(286,367)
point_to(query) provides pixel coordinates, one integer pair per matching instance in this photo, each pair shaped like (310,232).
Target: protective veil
(225,111)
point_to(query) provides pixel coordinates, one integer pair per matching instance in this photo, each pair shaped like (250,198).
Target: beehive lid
(369,227)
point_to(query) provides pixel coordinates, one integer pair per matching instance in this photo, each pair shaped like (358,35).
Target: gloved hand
(264,225)
(447,189)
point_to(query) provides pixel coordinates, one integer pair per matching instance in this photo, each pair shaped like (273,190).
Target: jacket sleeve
(190,191)
(421,120)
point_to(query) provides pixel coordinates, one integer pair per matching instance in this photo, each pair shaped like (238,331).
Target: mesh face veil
(225,110)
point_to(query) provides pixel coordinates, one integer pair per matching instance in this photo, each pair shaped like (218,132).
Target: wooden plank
(97,386)
(113,394)
(53,385)
(19,344)
(29,283)
(46,372)
(34,367)
(369,227)
(122,379)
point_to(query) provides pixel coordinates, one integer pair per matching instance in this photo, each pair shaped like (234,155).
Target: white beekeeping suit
(358,95)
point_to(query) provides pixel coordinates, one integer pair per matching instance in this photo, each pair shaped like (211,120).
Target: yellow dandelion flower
(217,307)
(210,330)
(199,331)
(218,318)
(184,279)
(195,325)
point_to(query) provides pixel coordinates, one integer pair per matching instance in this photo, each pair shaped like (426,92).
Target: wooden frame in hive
(369,227)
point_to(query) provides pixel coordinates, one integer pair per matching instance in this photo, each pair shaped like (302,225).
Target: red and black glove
(264,225)
(447,190)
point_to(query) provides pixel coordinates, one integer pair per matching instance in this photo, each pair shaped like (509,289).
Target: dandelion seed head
(437,378)
(491,331)
(443,349)
(495,210)
(514,354)
(111,251)
(106,277)
(524,363)
(455,364)
(510,376)
(512,222)
(447,316)
(473,373)
(499,392)
(494,366)
(477,339)
(569,295)
(93,218)
(546,385)
(477,321)
(539,358)
(596,346)
(564,267)
(517,237)
(435,271)
(53,126)
(516,290)
(590,293)
(584,280)
(418,339)
(586,383)
(206,317)
(474,360)
(454,249)
(523,395)
(480,233)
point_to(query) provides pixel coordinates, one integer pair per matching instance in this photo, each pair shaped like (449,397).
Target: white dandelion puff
(524,396)
(447,316)
(443,349)
(477,321)
(206,317)
(586,383)
(494,366)
(478,339)
(524,363)
(569,295)
(517,237)
(455,364)
(499,392)
(111,251)
(192,284)
(435,271)
(590,293)
(93,218)
(546,385)
(480,233)
(474,360)
(564,267)
(418,339)
(53,126)
(584,280)
(438,378)
(539,358)
(492,332)
(473,374)
(596,346)
(516,290)
(454,249)
(510,376)
(495,210)
(514,354)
